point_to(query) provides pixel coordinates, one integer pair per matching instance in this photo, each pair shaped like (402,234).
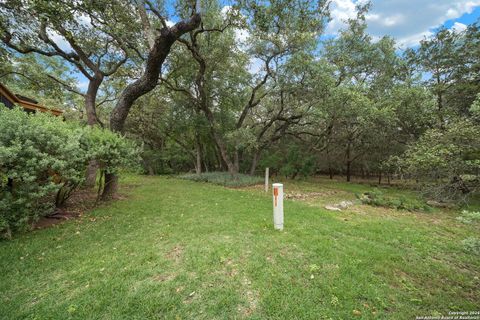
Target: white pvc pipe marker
(266,179)
(278,206)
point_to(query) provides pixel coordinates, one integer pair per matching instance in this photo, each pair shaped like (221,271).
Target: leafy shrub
(224,179)
(448,161)
(38,155)
(109,149)
(472,245)
(377,198)
(43,159)
(469,217)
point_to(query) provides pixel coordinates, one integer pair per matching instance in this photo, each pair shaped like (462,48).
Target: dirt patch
(164,277)
(81,202)
(309,195)
(230,268)
(175,254)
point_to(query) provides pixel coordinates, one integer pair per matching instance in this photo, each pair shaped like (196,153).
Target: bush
(469,217)
(38,155)
(447,160)
(224,179)
(43,159)
(377,198)
(110,150)
(472,245)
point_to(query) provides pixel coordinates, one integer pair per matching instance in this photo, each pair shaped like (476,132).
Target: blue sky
(408,21)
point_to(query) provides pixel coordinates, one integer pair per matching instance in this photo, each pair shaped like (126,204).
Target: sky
(408,21)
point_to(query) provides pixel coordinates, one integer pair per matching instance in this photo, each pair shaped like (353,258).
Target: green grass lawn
(177,249)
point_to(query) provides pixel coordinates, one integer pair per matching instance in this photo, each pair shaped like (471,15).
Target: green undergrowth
(224,179)
(376,197)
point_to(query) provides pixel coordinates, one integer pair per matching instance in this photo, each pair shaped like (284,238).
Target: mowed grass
(176,249)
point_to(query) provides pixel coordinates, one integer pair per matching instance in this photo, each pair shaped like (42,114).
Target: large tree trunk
(91,98)
(222,148)
(236,159)
(198,154)
(349,163)
(92,120)
(256,156)
(149,78)
(147,82)
(91,174)
(110,187)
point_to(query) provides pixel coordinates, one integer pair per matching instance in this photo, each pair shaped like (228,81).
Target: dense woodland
(240,86)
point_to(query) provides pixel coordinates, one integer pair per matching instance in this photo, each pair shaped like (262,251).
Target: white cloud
(459,27)
(225,10)
(407,21)
(340,11)
(82,20)
(83,84)
(255,66)
(59,40)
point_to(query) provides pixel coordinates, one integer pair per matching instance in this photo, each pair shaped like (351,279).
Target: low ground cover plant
(224,179)
(472,245)
(469,217)
(377,198)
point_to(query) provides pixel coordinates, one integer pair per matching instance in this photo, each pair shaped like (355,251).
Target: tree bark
(255,158)
(110,187)
(91,98)
(149,78)
(92,120)
(198,154)
(91,174)
(146,83)
(236,160)
(348,171)
(349,162)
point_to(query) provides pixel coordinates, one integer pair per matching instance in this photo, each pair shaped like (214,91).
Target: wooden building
(9,99)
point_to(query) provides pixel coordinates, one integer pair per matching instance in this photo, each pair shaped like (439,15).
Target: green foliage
(297,162)
(43,159)
(469,217)
(472,245)
(39,153)
(447,159)
(110,149)
(379,199)
(475,109)
(224,179)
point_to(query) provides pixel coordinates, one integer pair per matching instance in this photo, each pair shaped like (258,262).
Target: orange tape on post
(275,193)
